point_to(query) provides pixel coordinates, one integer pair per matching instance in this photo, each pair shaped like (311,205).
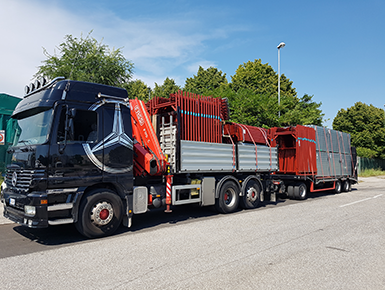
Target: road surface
(328,241)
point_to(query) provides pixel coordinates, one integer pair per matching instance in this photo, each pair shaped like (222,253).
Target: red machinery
(297,149)
(149,156)
(246,133)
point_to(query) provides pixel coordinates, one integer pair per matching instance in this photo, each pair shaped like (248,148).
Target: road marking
(358,201)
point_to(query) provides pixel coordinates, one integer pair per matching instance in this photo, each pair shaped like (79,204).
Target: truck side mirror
(69,127)
(71,113)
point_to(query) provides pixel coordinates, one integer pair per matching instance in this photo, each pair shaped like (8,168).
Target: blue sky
(334,49)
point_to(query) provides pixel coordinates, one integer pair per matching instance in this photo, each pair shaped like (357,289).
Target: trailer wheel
(338,187)
(100,213)
(228,197)
(290,191)
(300,191)
(346,186)
(251,195)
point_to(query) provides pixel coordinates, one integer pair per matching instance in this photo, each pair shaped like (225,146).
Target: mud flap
(273,196)
(127,221)
(127,218)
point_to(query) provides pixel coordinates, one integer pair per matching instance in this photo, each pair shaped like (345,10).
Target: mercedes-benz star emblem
(117,136)
(14,178)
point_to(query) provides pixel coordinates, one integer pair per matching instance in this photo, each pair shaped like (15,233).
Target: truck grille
(23,178)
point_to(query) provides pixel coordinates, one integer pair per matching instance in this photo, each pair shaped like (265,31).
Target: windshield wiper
(29,148)
(24,141)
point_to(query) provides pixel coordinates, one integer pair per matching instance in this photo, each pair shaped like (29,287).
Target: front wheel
(228,197)
(100,213)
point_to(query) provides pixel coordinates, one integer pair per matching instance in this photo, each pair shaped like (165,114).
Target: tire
(228,197)
(300,191)
(346,186)
(338,187)
(100,213)
(251,195)
(290,191)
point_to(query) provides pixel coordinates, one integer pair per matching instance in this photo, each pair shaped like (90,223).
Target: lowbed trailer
(88,155)
(313,158)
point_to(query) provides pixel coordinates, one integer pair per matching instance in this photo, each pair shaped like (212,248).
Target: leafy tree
(169,87)
(205,81)
(86,59)
(261,79)
(138,89)
(303,111)
(249,108)
(366,125)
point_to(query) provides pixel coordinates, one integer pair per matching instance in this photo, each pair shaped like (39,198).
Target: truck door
(69,164)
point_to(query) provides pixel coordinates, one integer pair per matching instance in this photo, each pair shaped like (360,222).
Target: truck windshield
(34,129)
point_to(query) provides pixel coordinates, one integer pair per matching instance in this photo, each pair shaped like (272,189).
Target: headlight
(29,210)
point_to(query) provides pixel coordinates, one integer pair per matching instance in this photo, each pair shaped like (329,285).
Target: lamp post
(282,44)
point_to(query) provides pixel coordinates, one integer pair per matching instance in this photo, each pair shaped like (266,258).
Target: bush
(372,172)
(366,152)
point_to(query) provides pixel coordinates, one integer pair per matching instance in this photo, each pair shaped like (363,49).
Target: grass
(371,172)
(1,178)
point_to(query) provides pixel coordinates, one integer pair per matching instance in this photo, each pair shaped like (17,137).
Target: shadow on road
(67,234)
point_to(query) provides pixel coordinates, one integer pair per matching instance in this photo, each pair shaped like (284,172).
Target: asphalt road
(326,242)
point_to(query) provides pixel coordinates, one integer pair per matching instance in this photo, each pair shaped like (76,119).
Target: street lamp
(282,44)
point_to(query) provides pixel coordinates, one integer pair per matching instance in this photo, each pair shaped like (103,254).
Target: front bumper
(14,208)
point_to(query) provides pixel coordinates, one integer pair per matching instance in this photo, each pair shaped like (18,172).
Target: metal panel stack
(334,157)
(257,158)
(207,157)
(200,117)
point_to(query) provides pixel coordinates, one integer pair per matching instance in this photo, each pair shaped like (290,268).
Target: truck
(86,154)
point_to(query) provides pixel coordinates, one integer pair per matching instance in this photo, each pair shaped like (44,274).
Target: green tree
(261,79)
(366,125)
(86,59)
(261,84)
(138,89)
(205,81)
(300,111)
(169,87)
(249,108)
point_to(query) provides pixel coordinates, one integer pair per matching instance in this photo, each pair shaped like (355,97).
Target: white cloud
(27,27)
(193,68)
(156,47)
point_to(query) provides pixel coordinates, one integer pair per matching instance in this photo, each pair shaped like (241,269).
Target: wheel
(290,191)
(100,213)
(251,195)
(228,197)
(346,186)
(338,186)
(300,191)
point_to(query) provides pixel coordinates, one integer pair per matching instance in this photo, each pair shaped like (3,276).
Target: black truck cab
(73,153)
